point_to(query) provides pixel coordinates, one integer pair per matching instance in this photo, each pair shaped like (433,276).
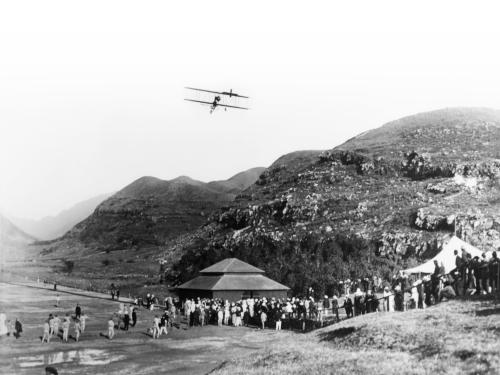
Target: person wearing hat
(348,306)
(398,298)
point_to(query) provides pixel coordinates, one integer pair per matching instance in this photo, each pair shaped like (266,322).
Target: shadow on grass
(488,312)
(336,333)
(427,350)
(464,354)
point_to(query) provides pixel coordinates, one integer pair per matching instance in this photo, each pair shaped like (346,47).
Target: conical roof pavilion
(232,279)
(231,265)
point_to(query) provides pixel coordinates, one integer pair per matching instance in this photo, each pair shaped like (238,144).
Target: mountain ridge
(150,211)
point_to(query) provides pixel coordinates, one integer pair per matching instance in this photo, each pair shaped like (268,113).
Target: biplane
(217,99)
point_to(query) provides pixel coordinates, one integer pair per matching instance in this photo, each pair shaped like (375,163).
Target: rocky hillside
(381,201)
(150,211)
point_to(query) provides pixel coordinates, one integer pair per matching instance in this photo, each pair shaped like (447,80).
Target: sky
(91,92)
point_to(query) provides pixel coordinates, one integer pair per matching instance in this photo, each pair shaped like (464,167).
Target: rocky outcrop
(421,167)
(425,219)
(382,201)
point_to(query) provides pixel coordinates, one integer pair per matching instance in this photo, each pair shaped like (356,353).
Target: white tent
(446,256)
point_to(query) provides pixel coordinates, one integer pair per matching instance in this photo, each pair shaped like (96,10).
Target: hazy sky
(91,92)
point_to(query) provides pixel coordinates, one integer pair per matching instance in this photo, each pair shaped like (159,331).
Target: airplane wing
(213,92)
(218,92)
(218,105)
(235,95)
(199,101)
(230,106)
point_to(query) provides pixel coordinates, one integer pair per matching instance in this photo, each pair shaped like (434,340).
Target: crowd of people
(301,313)
(471,276)
(476,274)
(60,327)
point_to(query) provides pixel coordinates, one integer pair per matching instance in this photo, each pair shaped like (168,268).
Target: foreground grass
(457,337)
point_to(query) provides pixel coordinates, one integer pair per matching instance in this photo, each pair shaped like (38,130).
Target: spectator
(447,292)
(65,327)
(46,332)
(18,328)
(78,311)
(126,321)
(56,323)
(163,324)
(156,327)
(494,266)
(348,307)
(134,317)
(111,328)
(398,299)
(335,307)
(263,316)
(83,322)
(78,328)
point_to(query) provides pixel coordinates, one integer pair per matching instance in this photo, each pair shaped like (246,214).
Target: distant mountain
(51,227)
(151,211)
(238,182)
(384,200)
(12,238)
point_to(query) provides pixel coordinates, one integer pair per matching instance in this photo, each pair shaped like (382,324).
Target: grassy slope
(457,337)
